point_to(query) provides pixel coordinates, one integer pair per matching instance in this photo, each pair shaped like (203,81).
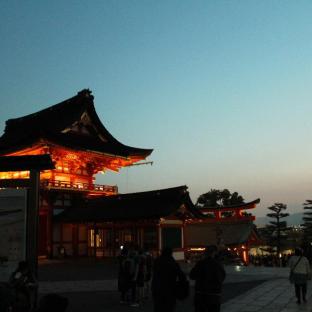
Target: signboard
(13,204)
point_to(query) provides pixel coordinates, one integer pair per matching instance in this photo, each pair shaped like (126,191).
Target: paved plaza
(246,289)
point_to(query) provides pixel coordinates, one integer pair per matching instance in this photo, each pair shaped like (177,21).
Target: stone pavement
(274,294)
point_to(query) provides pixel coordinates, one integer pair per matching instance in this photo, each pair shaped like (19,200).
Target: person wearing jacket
(166,272)
(301,272)
(209,275)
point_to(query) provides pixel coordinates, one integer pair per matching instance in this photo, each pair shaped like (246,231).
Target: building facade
(78,217)
(80,147)
(229,227)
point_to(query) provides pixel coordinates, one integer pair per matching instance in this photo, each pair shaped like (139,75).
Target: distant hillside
(293,219)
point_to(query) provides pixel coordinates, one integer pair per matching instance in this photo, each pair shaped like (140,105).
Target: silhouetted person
(209,275)
(140,277)
(166,271)
(23,283)
(148,275)
(300,267)
(123,283)
(127,279)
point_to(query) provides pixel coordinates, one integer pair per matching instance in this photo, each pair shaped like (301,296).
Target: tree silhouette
(277,226)
(307,218)
(219,198)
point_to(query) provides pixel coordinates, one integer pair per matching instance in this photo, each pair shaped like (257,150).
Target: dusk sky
(221,90)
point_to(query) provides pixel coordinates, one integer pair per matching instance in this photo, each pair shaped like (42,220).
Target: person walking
(24,285)
(300,272)
(209,275)
(148,275)
(127,278)
(166,272)
(140,277)
(123,280)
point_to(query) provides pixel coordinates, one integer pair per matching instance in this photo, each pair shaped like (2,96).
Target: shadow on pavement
(108,301)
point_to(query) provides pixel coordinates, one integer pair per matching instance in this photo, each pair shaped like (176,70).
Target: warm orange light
(14,174)
(73,169)
(197,249)
(71,156)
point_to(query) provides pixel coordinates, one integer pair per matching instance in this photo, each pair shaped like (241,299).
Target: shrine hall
(78,217)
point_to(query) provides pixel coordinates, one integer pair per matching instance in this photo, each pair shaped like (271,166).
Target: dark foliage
(219,198)
(307,218)
(276,228)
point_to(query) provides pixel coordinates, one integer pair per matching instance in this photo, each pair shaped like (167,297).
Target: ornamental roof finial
(87,93)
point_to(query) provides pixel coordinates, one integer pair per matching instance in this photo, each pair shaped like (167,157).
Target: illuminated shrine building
(229,227)
(86,219)
(72,133)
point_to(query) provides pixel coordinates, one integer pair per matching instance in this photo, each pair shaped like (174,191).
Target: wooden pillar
(50,199)
(94,239)
(238,213)
(183,236)
(159,240)
(217,215)
(114,240)
(75,239)
(247,253)
(32,222)
(61,234)
(49,230)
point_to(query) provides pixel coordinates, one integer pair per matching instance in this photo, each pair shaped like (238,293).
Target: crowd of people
(139,273)
(270,260)
(140,276)
(135,271)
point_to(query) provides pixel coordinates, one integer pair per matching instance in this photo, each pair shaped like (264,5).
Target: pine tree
(277,226)
(307,218)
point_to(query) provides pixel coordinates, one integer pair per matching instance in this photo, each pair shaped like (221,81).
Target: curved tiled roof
(204,234)
(134,206)
(54,124)
(248,205)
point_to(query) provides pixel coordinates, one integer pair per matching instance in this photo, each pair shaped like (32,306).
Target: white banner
(12,230)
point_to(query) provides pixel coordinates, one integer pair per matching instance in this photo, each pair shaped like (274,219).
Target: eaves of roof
(248,205)
(51,124)
(134,206)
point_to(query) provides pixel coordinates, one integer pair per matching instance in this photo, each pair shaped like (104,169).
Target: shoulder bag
(291,274)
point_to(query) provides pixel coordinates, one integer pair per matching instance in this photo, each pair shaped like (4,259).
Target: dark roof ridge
(84,94)
(169,189)
(256,201)
(133,206)
(54,123)
(139,195)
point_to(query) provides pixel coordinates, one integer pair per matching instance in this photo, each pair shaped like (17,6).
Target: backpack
(128,267)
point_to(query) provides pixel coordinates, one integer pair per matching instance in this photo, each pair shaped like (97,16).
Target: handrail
(80,186)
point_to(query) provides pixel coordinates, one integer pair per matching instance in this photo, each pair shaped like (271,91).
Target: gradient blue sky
(220,89)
